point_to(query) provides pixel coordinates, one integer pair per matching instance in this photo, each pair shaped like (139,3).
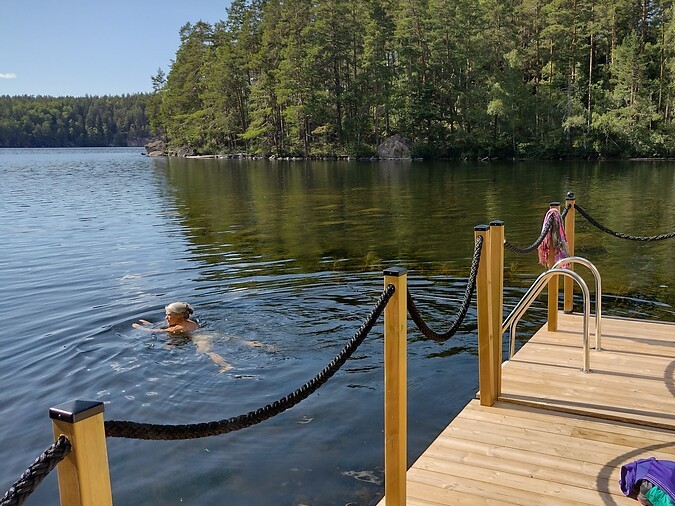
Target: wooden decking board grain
(631,379)
(558,436)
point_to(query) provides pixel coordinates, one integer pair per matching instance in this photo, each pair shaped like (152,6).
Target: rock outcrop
(156,148)
(182,152)
(395,147)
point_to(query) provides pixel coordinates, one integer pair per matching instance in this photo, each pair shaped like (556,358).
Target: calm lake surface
(289,254)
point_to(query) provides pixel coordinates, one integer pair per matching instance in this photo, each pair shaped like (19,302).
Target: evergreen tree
(266,129)
(296,79)
(378,65)
(182,103)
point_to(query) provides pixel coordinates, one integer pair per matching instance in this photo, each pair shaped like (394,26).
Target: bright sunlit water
(289,254)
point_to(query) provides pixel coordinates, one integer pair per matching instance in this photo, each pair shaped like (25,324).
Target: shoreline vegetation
(459,79)
(157,148)
(327,79)
(351,158)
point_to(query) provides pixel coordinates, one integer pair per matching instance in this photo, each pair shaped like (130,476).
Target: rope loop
(544,232)
(564,212)
(464,306)
(137,430)
(38,470)
(619,234)
(529,249)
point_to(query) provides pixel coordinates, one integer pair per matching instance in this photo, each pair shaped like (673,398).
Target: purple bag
(659,472)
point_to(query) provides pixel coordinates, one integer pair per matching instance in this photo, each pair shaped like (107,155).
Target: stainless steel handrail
(598,293)
(533,292)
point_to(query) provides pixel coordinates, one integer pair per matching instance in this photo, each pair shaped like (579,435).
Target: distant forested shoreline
(43,122)
(456,78)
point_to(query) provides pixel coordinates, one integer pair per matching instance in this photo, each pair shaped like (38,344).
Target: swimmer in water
(178,318)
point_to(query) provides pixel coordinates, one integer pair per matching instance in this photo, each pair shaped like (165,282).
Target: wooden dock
(558,435)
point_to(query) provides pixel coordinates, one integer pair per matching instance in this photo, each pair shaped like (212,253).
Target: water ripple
(281,275)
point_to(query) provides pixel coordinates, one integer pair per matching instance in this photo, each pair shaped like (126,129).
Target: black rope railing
(535,244)
(136,430)
(564,212)
(544,232)
(38,470)
(619,234)
(464,307)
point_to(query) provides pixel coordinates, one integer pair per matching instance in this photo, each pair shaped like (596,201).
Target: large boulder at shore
(182,152)
(395,147)
(156,148)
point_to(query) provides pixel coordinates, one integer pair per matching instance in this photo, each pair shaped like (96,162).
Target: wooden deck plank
(536,465)
(495,485)
(522,464)
(557,435)
(631,379)
(507,413)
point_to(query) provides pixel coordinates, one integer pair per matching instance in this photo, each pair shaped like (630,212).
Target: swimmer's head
(179,308)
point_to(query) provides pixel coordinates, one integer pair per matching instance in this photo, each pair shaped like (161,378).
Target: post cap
(570,196)
(554,204)
(496,223)
(75,411)
(481,228)
(395,271)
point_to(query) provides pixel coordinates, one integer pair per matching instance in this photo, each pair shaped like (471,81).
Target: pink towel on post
(555,239)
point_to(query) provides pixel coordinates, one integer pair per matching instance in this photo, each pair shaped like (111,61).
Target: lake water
(289,254)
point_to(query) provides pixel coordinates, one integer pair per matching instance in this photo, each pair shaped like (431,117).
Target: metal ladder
(538,286)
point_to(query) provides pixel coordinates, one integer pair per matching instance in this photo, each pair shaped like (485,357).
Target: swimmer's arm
(143,325)
(173,330)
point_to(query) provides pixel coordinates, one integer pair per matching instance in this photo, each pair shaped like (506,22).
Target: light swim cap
(182,308)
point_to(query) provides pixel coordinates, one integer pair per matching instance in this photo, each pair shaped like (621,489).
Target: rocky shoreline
(395,147)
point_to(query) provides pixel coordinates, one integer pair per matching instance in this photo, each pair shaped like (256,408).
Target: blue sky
(94,47)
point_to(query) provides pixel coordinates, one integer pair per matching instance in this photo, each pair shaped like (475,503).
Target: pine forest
(50,122)
(457,78)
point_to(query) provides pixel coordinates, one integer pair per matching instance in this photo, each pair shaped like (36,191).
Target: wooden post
(496,282)
(486,382)
(552,286)
(84,479)
(569,232)
(395,389)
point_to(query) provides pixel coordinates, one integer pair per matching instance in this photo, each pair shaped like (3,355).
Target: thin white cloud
(7,76)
